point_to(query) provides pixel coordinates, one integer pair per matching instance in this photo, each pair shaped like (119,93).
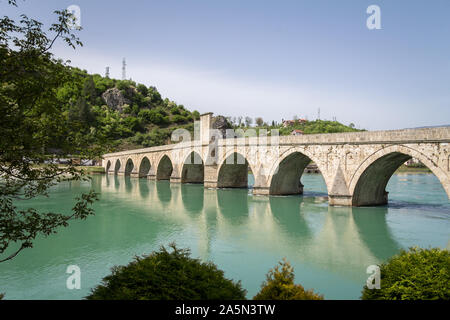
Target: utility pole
(318,114)
(124,69)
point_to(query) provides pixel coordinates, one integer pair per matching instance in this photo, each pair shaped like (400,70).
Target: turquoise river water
(245,235)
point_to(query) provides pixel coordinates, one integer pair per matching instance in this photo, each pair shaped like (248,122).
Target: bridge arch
(129,166)
(144,167)
(117,166)
(165,168)
(233,171)
(108,166)
(285,175)
(193,170)
(368,184)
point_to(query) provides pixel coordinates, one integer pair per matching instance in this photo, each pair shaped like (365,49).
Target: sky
(273,59)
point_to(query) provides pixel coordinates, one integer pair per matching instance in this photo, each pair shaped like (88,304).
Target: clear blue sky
(274,59)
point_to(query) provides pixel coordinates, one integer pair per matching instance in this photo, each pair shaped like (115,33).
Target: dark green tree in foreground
(167,275)
(417,274)
(34,122)
(279,285)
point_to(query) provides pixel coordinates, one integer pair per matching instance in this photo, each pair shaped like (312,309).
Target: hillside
(319,126)
(133,115)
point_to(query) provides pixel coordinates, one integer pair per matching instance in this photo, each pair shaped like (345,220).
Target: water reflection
(245,235)
(302,228)
(144,189)
(288,213)
(233,205)
(192,196)
(163,191)
(374,231)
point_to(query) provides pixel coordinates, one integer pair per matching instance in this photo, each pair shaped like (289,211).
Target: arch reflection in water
(374,231)
(288,214)
(128,184)
(144,189)
(164,192)
(117,180)
(192,197)
(233,205)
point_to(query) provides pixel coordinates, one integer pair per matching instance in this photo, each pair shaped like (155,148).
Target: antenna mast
(107,72)
(124,69)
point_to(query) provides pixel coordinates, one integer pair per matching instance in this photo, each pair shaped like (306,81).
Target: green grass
(406,169)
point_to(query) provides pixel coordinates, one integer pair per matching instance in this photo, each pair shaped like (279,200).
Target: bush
(417,274)
(178,119)
(1,296)
(279,285)
(165,275)
(196,115)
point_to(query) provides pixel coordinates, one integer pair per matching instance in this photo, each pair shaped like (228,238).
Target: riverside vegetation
(416,274)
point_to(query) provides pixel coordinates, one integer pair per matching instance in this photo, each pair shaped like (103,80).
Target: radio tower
(107,72)
(124,69)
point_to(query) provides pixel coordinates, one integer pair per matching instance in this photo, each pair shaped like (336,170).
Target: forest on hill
(130,114)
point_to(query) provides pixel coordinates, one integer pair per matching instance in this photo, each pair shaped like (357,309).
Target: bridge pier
(175,180)
(261,191)
(210,176)
(339,200)
(134,173)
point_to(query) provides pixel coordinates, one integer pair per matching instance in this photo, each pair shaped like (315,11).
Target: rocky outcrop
(115,99)
(222,124)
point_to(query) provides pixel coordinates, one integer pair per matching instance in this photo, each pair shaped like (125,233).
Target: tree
(196,115)
(279,285)
(416,274)
(259,121)
(165,275)
(142,89)
(35,121)
(239,121)
(248,121)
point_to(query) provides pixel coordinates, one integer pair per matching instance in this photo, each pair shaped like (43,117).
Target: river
(330,248)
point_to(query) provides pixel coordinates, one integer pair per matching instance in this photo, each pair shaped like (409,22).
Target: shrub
(178,119)
(165,275)
(417,274)
(1,296)
(196,115)
(279,285)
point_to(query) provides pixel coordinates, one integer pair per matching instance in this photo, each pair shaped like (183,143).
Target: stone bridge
(356,166)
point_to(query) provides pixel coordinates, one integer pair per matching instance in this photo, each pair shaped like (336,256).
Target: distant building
(296,133)
(289,123)
(412,162)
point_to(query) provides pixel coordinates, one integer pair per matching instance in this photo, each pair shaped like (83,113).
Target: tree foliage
(167,275)
(34,122)
(416,274)
(279,285)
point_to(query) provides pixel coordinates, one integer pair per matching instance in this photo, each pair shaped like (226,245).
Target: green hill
(131,114)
